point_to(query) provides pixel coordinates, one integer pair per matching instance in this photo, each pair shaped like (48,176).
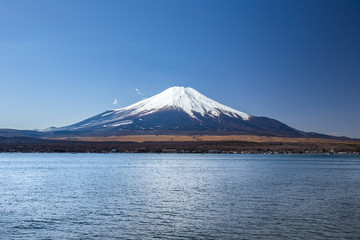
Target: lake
(179,196)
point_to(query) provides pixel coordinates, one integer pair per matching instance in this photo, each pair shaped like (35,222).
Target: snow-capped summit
(177,110)
(185,99)
(179,99)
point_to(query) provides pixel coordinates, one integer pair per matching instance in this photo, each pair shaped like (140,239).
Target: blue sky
(295,61)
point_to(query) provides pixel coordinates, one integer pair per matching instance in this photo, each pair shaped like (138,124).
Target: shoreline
(202,153)
(28,145)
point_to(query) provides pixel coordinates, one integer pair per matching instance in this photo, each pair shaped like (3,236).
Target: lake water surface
(179,196)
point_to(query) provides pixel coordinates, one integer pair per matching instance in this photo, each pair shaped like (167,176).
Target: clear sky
(295,61)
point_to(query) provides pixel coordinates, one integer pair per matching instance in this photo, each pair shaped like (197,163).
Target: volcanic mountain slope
(177,110)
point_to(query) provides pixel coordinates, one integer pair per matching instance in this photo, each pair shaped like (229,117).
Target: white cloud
(115,101)
(138,91)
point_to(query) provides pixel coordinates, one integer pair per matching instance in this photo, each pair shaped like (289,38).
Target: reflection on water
(174,196)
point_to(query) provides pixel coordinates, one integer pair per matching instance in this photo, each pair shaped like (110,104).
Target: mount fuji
(177,111)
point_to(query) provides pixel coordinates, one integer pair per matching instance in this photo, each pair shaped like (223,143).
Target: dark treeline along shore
(24,144)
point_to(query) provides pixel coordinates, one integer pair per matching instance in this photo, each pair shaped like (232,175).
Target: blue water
(175,196)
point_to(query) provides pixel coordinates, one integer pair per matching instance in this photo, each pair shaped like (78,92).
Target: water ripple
(152,196)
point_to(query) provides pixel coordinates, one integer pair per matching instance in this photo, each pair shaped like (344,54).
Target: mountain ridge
(177,110)
(184,99)
(174,111)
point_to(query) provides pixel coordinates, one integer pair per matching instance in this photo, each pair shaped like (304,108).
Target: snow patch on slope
(126,122)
